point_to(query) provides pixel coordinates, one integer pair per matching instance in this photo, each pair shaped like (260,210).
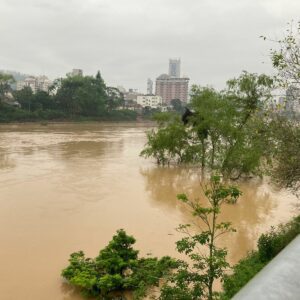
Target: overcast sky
(131,40)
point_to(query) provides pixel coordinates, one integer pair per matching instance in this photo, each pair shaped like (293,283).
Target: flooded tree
(116,269)
(227,131)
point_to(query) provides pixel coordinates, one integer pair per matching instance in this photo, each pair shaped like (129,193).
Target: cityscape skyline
(32,80)
(131,41)
(167,88)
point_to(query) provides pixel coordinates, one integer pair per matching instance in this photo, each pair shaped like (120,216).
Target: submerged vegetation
(227,131)
(117,268)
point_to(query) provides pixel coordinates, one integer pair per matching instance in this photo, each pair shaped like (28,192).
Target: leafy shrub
(272,242)
(117,268)
(247,268)
(269,245)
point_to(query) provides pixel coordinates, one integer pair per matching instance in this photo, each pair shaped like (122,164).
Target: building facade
(149,101)
(75,72)
(149,86)
(174,67)
(131,95)
(40,83)
(169,88)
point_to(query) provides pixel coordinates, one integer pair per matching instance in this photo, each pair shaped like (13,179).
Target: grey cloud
(132,40)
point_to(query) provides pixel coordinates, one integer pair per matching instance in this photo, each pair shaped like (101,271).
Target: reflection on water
(5,161)
(252,215)
(69,187)
(81,149)
(70,293)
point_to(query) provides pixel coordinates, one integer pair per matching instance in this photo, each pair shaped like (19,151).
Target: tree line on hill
(71,98)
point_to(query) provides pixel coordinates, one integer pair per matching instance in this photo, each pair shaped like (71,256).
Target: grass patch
(269,245)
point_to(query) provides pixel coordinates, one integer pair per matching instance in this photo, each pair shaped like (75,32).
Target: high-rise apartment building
(170,88)
(149,86)
(40,83)
(174,67)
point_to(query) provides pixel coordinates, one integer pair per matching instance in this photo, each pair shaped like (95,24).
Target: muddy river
(69,187)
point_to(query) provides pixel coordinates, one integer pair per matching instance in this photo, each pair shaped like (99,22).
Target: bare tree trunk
(203,156)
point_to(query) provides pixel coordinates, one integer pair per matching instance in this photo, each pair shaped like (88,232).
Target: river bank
(269,245)
(85,122)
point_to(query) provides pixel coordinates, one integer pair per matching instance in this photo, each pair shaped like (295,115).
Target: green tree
(41,100)
(100,83)
(212,124)
(177,105)
(195,280)
(117,268)
(169,142)
(285,57)
(286,133)
(5,84)
(25,97)
(78,95)
(44,101)
(250,92)
(285,168)
(114,98)
(227,131)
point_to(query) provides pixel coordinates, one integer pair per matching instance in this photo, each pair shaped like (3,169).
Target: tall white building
(149,101)
(174,67)
(40,83)
(43,83)
(29,81)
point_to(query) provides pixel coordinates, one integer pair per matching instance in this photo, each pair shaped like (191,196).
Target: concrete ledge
(279,280)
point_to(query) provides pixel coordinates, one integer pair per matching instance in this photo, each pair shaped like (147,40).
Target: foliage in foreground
(194,281)
(117,268)
(269,245)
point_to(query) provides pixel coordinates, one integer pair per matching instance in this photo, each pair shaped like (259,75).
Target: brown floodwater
(69,187)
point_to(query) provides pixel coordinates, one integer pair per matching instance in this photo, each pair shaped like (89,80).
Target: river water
(69,187)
